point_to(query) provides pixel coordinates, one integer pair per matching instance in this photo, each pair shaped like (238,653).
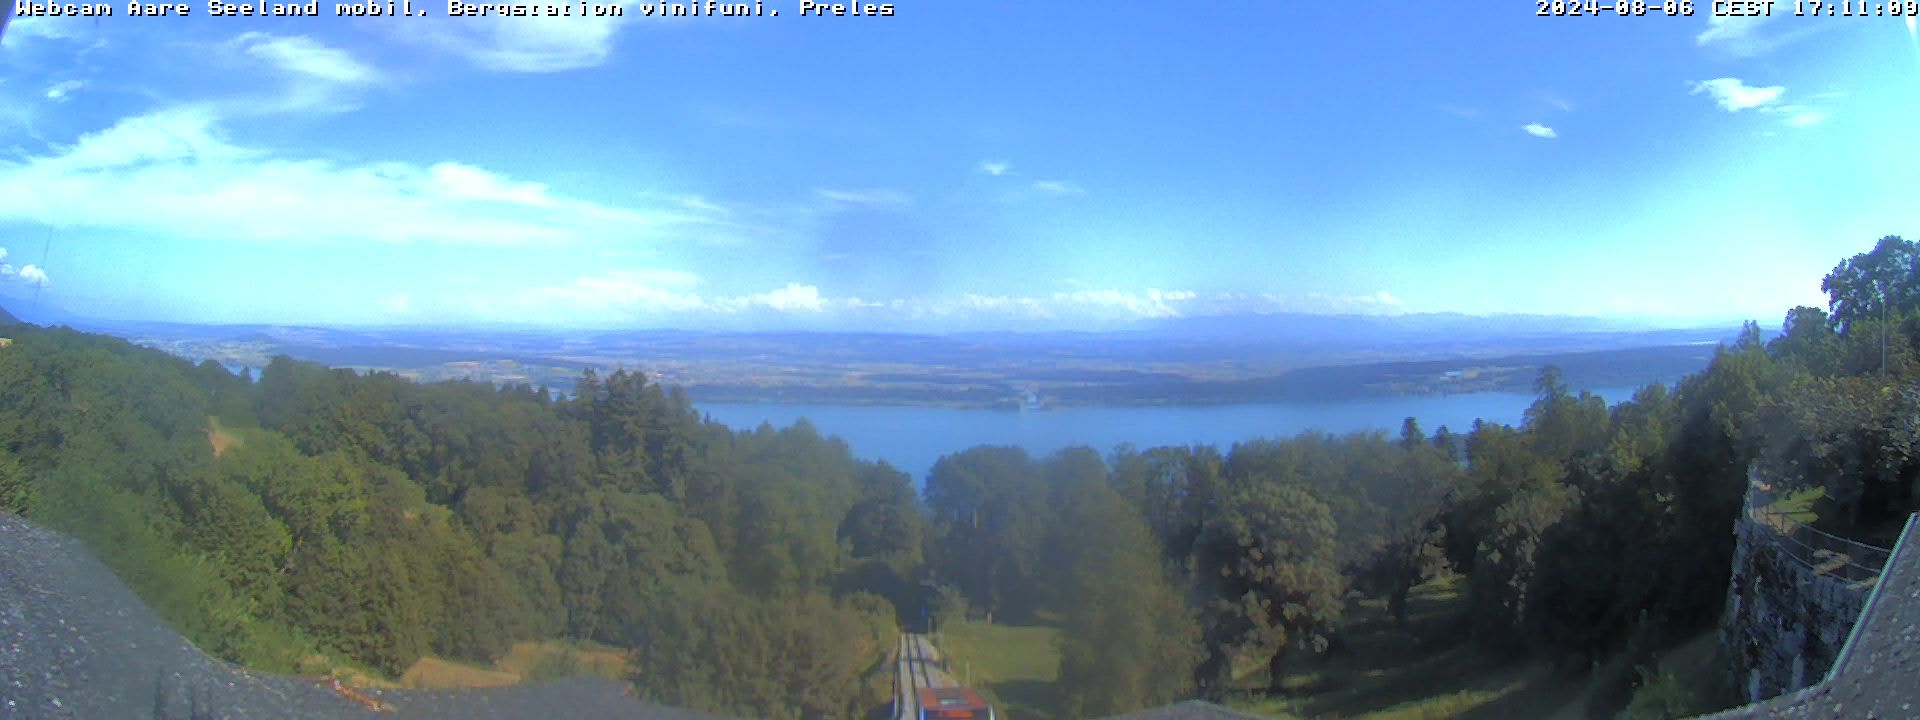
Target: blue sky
(960,165)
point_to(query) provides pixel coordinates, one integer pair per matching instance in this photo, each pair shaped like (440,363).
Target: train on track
(953,703)
(927,691)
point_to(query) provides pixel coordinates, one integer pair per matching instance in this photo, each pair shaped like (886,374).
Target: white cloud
(1382,302)
(1558,103)
(175,173)
(1059,187)
(63,90)
(668,296)
(626,294)
(866,197)
(657,293)
(307,57)
(46,28)
(700,204)
(33,275)
(1154,303)
(1734,95)
(1801,116)
(1459,111)
(455,181)
(1540,131)
(520,44)
(1739,36)
(996,168)
(315,76)
(792,298)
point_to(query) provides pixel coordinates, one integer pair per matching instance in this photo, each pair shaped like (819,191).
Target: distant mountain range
(1250,358)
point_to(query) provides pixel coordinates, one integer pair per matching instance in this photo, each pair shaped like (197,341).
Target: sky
(958,165)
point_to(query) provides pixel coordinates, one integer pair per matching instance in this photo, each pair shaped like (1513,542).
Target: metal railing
(1823,553)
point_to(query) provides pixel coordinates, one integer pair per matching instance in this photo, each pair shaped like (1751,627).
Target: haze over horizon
(1095,170)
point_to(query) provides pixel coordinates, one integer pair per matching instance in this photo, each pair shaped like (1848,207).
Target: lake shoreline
(913,437)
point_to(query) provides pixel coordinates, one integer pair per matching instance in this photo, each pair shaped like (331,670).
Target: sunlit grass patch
(221,438)
(1801,505)
(1015,667)
(432,673)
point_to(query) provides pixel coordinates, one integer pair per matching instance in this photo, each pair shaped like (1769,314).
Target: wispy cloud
(313,76)
(672,295)
(46,28)
(1800,115)
(1730,31)
(307,57)
(1736,35)
(996,168)
(1734,95)
(63,90)
(1754,36)
(873,196)
(519,44)
(1556,102)
(1059,187)
(175,173)
(1382,302)
(1459,111)
(1539,131)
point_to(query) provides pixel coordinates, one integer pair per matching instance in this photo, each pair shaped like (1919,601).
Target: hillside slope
(81,645)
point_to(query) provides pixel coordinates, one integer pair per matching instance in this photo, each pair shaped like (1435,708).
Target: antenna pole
(45,244)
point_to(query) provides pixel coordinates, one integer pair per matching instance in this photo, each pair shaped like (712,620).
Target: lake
(912,438)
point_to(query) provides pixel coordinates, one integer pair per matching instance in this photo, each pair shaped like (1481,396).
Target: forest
(317,513)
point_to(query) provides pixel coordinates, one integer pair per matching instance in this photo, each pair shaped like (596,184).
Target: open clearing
(219,437)
(544,660)
(1384,673)
(1014,666)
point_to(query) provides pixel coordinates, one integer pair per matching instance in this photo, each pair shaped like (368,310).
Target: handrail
(1901,548)
(1868,560)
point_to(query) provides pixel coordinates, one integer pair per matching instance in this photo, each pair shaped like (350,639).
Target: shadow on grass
(1024,699)
(1429,668)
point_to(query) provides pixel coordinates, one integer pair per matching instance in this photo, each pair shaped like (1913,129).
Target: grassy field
(1800,505)
(432,673)
(1015,667)
(526,661)
(1383,673)
(556,658)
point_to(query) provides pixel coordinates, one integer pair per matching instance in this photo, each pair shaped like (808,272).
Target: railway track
(927,691)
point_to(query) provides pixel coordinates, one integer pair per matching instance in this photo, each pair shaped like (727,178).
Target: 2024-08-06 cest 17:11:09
(1730,8)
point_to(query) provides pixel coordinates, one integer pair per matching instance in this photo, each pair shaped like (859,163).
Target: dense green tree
(1129,640)
(990,515)
(15,488)
(1273,551)
(1808,342)
(1410,498)
(1874,283)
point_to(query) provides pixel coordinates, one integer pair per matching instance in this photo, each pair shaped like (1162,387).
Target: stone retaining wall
(1784,622)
